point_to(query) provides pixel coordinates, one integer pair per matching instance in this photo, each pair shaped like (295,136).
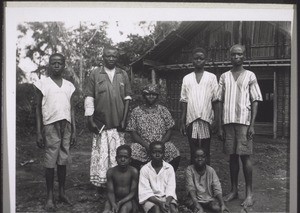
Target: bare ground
(270,176)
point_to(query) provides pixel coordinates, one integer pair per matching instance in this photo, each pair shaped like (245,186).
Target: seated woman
(148,123)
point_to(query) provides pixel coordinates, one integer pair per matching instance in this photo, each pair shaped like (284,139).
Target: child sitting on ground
(122,181)
(157,183)
(203,186)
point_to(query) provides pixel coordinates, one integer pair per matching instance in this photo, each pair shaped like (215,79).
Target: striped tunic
(237,96)
(199,96)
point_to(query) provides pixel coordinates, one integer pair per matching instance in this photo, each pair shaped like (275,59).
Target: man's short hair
(238,45)
(151,146)
(124,147)
(197,149)
(59,55)
(110,48)
(199,49)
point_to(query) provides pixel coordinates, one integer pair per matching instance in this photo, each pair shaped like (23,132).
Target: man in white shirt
(198,104)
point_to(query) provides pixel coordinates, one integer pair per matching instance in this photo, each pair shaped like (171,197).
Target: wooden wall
(263,40)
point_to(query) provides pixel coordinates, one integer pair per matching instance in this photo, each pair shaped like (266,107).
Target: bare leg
(247,169)
(173,208)
(126,207)
(107,207)
(205,145)
(61,174)
(215,206)
(154,209)
(49,173)
(234,174)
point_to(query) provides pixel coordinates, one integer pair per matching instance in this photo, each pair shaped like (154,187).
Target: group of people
(144,171)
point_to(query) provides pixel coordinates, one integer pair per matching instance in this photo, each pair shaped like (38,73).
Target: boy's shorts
(57,138)
(236,141)
(148,205)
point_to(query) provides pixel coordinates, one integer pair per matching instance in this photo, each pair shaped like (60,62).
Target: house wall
(263,40)
(173,83)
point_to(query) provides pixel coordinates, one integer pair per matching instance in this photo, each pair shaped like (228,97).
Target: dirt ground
(270,175)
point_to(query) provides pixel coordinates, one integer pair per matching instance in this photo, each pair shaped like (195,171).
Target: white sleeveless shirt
(56,102)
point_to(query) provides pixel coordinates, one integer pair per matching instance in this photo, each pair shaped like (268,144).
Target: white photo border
(17,12)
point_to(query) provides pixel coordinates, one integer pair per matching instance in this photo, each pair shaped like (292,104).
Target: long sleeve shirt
(206,186)
(162,184)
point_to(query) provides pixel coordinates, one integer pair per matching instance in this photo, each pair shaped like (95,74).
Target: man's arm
(110,190)
(183,117)
(73,123)
(137,138)
(162,205)
(191,188)
(39,122)
(125,113)
(215,124)
(167,136)
(254,107)
(133,189)
(220,127)
(221,202)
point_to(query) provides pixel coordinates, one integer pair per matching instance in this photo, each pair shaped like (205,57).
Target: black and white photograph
(159,108)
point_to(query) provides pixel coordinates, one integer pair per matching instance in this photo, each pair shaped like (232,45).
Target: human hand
(92,126)
(163,207)
(224,209)
(182,128)
(73,140)
(198,208)
(250,132)
(214,128)
(114,208)
(40,141)
(122,126)
(221,134)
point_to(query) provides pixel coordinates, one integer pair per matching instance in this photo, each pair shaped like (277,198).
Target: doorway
(266,107)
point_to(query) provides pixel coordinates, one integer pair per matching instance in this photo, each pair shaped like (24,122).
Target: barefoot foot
(231,196)
(64,199)
(248,201)
(50,206)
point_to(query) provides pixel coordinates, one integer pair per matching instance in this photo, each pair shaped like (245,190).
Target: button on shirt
(199,96)
(237,96)
(151,184)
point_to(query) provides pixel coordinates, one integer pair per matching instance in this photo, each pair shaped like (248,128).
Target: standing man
(198,104)
(107,96)
(55,123)
(238,94)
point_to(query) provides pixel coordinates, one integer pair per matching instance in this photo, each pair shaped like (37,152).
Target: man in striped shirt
(238,94)
(198,98)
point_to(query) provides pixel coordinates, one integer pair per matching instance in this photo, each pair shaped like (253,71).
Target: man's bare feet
(50,206)
(64,199)
(231,196)
(248,201)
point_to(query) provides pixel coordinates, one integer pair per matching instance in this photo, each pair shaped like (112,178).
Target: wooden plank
(275,107)
(152,63)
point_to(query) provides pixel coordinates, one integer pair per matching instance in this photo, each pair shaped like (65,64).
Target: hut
(268,55)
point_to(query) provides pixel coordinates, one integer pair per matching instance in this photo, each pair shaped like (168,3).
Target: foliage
(82,45)
(25,109)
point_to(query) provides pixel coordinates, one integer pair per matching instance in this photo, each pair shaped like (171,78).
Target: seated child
(203,186)
(122,181)
(157,183)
